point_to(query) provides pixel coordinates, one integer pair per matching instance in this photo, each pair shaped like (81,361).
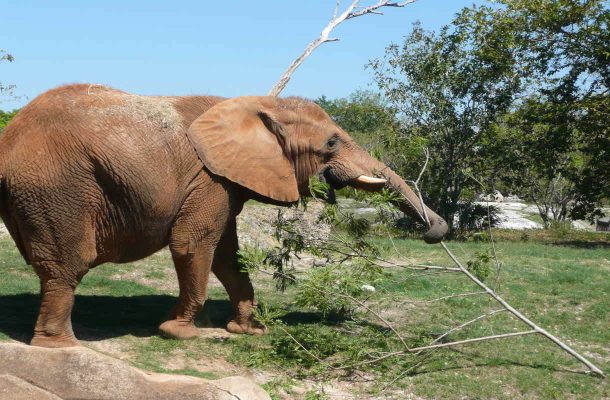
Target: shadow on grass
(477,360)
(583,244)
(103,317)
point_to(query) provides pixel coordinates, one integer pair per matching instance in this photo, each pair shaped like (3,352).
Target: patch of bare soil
(119,347)
(167,283)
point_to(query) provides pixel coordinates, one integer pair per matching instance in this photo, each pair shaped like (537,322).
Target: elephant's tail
(7,216)
(3,192)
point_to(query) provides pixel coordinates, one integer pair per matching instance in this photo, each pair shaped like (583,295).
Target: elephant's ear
(241,140)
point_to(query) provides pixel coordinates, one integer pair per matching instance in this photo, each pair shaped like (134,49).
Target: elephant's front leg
(237,284)
(193,264)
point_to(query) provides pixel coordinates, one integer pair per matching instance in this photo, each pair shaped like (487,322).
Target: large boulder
(15,388)
(28,372)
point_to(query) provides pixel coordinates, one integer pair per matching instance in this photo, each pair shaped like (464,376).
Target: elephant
(90,174)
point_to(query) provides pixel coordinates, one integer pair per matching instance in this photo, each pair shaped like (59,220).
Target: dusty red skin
(89,175)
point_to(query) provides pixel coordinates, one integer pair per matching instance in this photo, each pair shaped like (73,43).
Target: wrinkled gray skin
(89,175)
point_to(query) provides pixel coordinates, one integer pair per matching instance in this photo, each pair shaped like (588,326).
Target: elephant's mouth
(362,182)
(332,179)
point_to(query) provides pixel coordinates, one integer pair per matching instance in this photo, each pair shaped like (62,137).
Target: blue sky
(227,48)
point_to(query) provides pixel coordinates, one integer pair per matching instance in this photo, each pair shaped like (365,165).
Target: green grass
(565,288)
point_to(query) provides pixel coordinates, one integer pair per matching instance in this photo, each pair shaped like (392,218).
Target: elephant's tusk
(368,183)
(369,180)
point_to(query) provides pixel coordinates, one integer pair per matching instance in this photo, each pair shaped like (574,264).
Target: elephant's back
(77,123)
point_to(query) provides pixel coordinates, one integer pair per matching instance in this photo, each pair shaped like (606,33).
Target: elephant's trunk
(411,205)
(409,202)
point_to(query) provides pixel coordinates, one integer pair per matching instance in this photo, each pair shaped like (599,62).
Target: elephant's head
(272,146)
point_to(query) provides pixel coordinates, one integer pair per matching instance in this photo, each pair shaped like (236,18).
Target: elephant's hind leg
(61,250)
(53,326)
(237,284)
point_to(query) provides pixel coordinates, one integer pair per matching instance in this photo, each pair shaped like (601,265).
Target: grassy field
(560,282)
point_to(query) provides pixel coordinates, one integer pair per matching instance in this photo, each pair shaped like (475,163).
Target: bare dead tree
(352,11)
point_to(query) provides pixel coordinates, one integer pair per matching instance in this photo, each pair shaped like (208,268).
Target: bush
(328,289)
(475,217)
(560,228)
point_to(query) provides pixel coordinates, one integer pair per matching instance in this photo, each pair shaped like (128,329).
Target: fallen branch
(351,298)
(350,12)
(452,296)
(479,339)
(523,318)
(465,324)
(508,307)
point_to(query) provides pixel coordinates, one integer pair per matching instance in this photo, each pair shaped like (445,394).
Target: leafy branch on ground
(341,286)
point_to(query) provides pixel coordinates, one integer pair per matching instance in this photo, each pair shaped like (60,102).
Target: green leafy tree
(559,129)
(364,114)
(449,90)
(6,91)
(362,111)
(514,95)
(5,118)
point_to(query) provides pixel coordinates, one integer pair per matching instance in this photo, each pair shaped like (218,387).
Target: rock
(254,223)
(496,196)
(512,198)
(15,388)
(481,197)
(80,373)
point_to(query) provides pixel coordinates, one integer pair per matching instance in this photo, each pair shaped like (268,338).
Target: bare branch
(421,173)
(339,294)
(348,13)
(418,267)
(479,339)
(372,9)
(452,296)
(336,9)
(507,306)
(465,324)
(522,317)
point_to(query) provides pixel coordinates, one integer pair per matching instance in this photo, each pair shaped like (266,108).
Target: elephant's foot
(54,341)
(249,327)
(176,329)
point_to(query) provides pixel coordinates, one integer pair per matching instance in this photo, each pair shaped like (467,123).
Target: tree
(364,114)
(560,125)
(515,95)
(449,91)
(5,118)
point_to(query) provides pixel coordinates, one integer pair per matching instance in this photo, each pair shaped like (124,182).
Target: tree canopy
(511,95)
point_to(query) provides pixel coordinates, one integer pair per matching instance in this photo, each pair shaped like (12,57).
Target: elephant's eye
(332,143)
